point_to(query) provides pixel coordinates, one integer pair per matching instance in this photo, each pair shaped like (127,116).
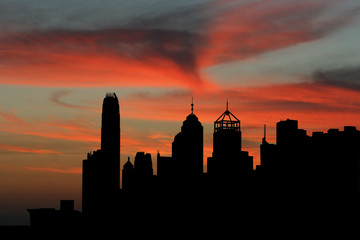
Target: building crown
(227,121)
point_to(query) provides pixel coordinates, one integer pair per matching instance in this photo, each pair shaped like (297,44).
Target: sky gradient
(271,60)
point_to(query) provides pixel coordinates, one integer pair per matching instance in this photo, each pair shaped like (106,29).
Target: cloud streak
(74,170)
(26,150)
(347,77)
(57,96)
(156,51)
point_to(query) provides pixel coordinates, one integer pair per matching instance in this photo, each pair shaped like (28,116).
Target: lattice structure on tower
(227,121)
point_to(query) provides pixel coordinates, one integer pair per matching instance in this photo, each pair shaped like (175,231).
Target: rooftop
(227,120)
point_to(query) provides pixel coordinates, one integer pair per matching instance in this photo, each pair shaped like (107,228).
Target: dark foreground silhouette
(303,183)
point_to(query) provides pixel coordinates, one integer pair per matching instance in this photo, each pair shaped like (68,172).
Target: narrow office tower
(110,139)
(101,169)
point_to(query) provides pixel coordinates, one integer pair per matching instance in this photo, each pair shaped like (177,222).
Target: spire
(264,138)
(227,120)
(264,131)
(192,105)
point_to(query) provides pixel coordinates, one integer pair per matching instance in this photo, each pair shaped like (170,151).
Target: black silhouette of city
(301,181)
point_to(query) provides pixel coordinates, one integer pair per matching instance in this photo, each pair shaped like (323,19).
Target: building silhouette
(110,140)
(64,218)
(188,148)
(101,169)
(128,176)
(166,167)
(228,160)
(301,181)
(319,175)
(143,171)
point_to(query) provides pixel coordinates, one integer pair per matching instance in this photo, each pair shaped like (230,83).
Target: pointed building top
(128,165)
(191,119)
(227,120)
(264,132)
(264,138)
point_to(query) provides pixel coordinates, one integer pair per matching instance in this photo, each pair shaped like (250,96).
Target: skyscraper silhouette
(128,176)
(228,160)
(110,139)
(143,171)
(188,148)
(101,169)
(314,178)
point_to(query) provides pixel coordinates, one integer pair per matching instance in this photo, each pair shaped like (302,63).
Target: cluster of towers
(178,176)
(317,177)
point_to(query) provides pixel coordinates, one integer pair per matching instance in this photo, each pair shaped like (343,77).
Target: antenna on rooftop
(264,131)
(192,105)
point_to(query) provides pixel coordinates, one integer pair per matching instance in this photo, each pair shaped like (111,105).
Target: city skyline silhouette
(226,80)
(319,175)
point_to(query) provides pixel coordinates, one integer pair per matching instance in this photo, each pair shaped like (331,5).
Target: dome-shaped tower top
(128,165)
(192,119)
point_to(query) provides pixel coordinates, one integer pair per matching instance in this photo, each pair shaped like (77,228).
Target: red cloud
(154,57)
(245,30)
(99,58)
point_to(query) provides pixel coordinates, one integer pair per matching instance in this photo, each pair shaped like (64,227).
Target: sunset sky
(271,60)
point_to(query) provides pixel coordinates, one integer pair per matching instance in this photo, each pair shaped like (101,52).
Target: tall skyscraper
(110,139)
(188,147)
(101,169)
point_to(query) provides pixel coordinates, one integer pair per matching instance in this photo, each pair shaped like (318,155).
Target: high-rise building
(110,139)
(165,167)
(268,155)
(228,160)
(188,148)
(318,174)
(143,165)
(101,169)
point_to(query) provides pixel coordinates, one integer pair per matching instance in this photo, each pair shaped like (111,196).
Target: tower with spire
(188,147)
(228,160)
(268,155)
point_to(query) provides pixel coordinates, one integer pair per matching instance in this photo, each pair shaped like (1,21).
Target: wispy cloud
(56,97)
(12,118)
(27,150)
(156,51)
(73,170)
(346,77)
